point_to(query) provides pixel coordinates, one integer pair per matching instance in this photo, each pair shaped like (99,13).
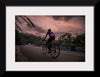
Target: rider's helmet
(49,30)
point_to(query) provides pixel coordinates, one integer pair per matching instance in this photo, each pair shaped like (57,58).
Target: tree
(19,40)
(19,37)
(26,19)
(66,39)
(80,40)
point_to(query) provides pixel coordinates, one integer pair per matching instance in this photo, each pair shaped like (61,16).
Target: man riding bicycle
(51,38)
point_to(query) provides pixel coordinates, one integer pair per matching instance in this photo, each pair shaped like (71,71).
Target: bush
(73,48)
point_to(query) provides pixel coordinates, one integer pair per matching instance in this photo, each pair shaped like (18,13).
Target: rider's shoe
(49,51)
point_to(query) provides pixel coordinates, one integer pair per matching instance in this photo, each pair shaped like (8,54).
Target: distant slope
(25,38)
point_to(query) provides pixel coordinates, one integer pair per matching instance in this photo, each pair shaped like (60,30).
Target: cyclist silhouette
(49,41)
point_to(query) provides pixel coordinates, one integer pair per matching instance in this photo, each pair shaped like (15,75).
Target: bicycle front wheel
(44,49)
(55,52)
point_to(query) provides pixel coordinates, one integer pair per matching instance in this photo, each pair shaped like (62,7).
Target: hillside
(25,38)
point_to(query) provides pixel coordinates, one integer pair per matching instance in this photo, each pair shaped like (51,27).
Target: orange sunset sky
(58,24)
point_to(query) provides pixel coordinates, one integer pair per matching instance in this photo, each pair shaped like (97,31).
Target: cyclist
(51,38)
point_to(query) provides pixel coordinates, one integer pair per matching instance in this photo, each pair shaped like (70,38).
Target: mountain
(25,38)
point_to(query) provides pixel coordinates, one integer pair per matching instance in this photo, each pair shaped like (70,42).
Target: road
(35,54)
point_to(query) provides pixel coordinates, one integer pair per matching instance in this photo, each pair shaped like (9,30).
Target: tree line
(64,40)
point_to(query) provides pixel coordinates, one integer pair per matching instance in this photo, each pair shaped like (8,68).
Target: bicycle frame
(55,52)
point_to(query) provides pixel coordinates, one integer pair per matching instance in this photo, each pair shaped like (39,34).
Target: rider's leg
(49,45)
(53,38)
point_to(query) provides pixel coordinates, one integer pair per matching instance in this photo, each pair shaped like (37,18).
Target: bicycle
(55,50)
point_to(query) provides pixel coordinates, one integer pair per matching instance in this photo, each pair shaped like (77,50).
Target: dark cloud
(56,17)
(39,29)
(82,19)
(67,18)
(60,32)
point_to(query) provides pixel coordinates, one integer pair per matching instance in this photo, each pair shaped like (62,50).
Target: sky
(58,24)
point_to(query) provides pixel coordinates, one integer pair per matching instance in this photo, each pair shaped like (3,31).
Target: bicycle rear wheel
(55,52)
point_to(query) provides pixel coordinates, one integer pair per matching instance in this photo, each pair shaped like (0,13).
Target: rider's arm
(46,36)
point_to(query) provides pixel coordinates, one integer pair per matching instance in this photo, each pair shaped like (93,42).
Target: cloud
(58,24)
(39,29)
(66,18)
